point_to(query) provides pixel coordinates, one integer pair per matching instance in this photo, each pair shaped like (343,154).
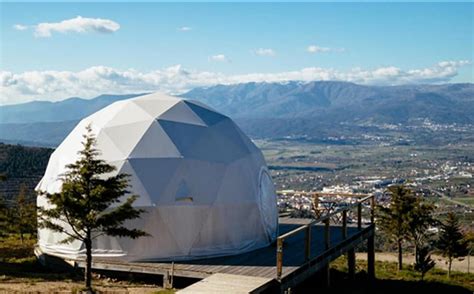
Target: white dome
(204,185)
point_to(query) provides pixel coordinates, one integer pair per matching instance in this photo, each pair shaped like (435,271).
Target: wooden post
(351,263)
(172,275)
(372,211)
(166,280)
(350,253)
(371,257)
(279,258)
(307,242)
(344,224)
(327,244)
(359,215)
(327,236)
(327,275)
(316,205)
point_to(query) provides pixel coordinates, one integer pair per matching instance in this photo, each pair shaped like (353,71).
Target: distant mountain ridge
(443,103)
(46,111)
(268,109)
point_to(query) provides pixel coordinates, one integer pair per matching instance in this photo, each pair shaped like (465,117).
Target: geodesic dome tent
(204,185)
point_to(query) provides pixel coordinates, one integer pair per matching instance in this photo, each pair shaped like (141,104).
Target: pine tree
(419,221)
(3,212)
(85,200)
(452,243)
(423,261)
(3,218)
(394,220)
(23,216)
(469,238)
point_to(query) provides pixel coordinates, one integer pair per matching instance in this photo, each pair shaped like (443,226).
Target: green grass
(18,262)
(12,249)
(466,200)
(388,276)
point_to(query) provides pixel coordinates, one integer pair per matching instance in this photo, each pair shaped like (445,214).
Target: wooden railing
(327,238)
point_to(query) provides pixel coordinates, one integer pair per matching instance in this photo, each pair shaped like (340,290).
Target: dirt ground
(22,285)
(458,265)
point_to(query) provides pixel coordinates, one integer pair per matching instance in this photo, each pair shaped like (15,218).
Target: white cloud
(319,49)
(265,52)
(185,29)
(20,27)
(78,24)
(219,58)
(93,81)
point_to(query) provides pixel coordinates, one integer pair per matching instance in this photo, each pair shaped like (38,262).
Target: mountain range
(267,109)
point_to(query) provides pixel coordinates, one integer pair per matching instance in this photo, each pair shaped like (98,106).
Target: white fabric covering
(204,185)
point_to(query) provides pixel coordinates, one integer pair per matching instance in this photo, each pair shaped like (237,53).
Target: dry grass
(20,272)
(436,279)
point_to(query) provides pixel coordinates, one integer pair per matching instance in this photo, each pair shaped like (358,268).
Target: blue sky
(372,43)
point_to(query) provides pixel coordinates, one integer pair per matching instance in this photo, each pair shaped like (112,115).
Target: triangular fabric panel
(130,114)
(126,137)
(235,187)
(155,143)
(208,116)
(161,237)
(144,199)
(155,108)
(202,180)
(109,151)
(102,117)
(183,136)
(181,113)
(181,219)
(155,175)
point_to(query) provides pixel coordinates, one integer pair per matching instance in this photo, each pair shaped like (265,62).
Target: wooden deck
(261,262)
(303,247)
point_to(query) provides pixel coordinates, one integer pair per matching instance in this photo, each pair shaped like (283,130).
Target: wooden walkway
(261,262)
(303,247)
(229,284)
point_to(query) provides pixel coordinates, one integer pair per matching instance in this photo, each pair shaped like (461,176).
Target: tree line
(20,161)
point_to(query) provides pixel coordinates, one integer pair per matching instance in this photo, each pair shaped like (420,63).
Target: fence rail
(326,221)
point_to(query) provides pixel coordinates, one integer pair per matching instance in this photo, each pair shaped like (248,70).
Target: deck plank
(226,283)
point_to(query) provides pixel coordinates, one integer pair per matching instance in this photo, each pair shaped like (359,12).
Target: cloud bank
(93,81)
(78,24)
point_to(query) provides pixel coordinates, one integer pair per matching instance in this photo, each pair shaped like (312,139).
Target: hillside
(48,134)
(21,166)
(315,110)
